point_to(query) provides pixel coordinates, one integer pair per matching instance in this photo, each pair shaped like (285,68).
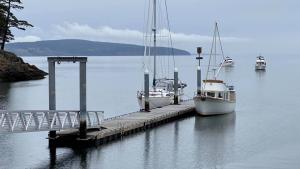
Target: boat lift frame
(82,88)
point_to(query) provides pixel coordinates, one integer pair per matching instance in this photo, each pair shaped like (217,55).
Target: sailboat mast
(215,57)
(154,42)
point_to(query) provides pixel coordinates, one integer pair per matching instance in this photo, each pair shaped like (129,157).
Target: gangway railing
(46,120)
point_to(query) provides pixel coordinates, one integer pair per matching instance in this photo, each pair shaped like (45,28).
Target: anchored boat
(214,96)
(228,62)
(261,63)
(162,91)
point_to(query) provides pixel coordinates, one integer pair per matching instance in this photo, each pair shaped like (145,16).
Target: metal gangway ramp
(46,120)
(53,120)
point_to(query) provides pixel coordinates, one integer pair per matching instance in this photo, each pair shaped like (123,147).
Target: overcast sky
(257,26)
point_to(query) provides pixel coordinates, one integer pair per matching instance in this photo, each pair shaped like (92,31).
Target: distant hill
(74,47)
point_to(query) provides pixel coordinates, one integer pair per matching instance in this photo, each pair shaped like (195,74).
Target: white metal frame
(46,120)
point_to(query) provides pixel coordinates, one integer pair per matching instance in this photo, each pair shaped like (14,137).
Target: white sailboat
(162,91)
(215,96)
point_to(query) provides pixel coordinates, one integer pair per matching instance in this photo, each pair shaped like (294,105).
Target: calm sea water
(263,133)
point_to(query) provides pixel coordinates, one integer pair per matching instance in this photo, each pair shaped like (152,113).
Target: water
(263,133)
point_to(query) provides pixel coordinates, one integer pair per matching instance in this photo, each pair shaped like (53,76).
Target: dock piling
(82,127)
(199,51)
(146,89)
(198,80)
(176,101)
(52,95)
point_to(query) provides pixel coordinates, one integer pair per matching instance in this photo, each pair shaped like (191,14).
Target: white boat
(161,95)
(261,63)
(162,91)
(215,97)
(228,62)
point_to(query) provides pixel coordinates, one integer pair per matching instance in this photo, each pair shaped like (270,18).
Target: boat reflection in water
(214,140)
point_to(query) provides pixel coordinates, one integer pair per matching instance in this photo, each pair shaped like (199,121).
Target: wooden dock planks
(117,127)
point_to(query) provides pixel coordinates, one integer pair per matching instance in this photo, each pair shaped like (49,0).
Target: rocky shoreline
(13,69)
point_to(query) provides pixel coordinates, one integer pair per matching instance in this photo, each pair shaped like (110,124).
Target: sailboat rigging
(162,91)
(215,96)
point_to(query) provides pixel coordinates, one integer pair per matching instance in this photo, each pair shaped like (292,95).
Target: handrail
(46,120)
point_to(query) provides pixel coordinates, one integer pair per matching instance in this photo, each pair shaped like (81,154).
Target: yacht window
(211,94)
(220,95)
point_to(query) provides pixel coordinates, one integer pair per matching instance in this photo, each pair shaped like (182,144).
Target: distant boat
(162,91)
(228,62)
(215,96)
(261,63)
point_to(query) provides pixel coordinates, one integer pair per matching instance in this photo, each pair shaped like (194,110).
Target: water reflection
(175,145)
(4,90)
(214,137)
(228,69)
(147,149)
(52,153)
(227,74)
(260,73)
(260,77)
(70,159)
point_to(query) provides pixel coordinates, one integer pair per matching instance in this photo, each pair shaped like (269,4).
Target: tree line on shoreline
(8,20)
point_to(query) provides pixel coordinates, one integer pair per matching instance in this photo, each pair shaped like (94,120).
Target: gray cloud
(263,26)
(108,34)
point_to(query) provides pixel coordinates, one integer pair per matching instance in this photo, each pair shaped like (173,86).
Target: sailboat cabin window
(211,94)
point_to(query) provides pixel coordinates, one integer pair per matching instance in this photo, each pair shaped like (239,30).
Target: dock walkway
(120,126)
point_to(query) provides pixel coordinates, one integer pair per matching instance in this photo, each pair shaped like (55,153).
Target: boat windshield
(260,58)
(164,84)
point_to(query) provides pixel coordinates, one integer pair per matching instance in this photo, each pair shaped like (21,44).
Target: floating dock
(117,127)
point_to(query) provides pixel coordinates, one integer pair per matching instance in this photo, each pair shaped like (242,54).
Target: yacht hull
(155,102)
(260,67)
(228,64)
(212,106)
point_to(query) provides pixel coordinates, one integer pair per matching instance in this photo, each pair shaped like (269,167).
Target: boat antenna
(154,42)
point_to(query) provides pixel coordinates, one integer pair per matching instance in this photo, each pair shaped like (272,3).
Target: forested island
(76,47)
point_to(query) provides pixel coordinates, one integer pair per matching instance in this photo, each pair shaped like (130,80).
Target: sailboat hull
(212,106)
(155,102)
